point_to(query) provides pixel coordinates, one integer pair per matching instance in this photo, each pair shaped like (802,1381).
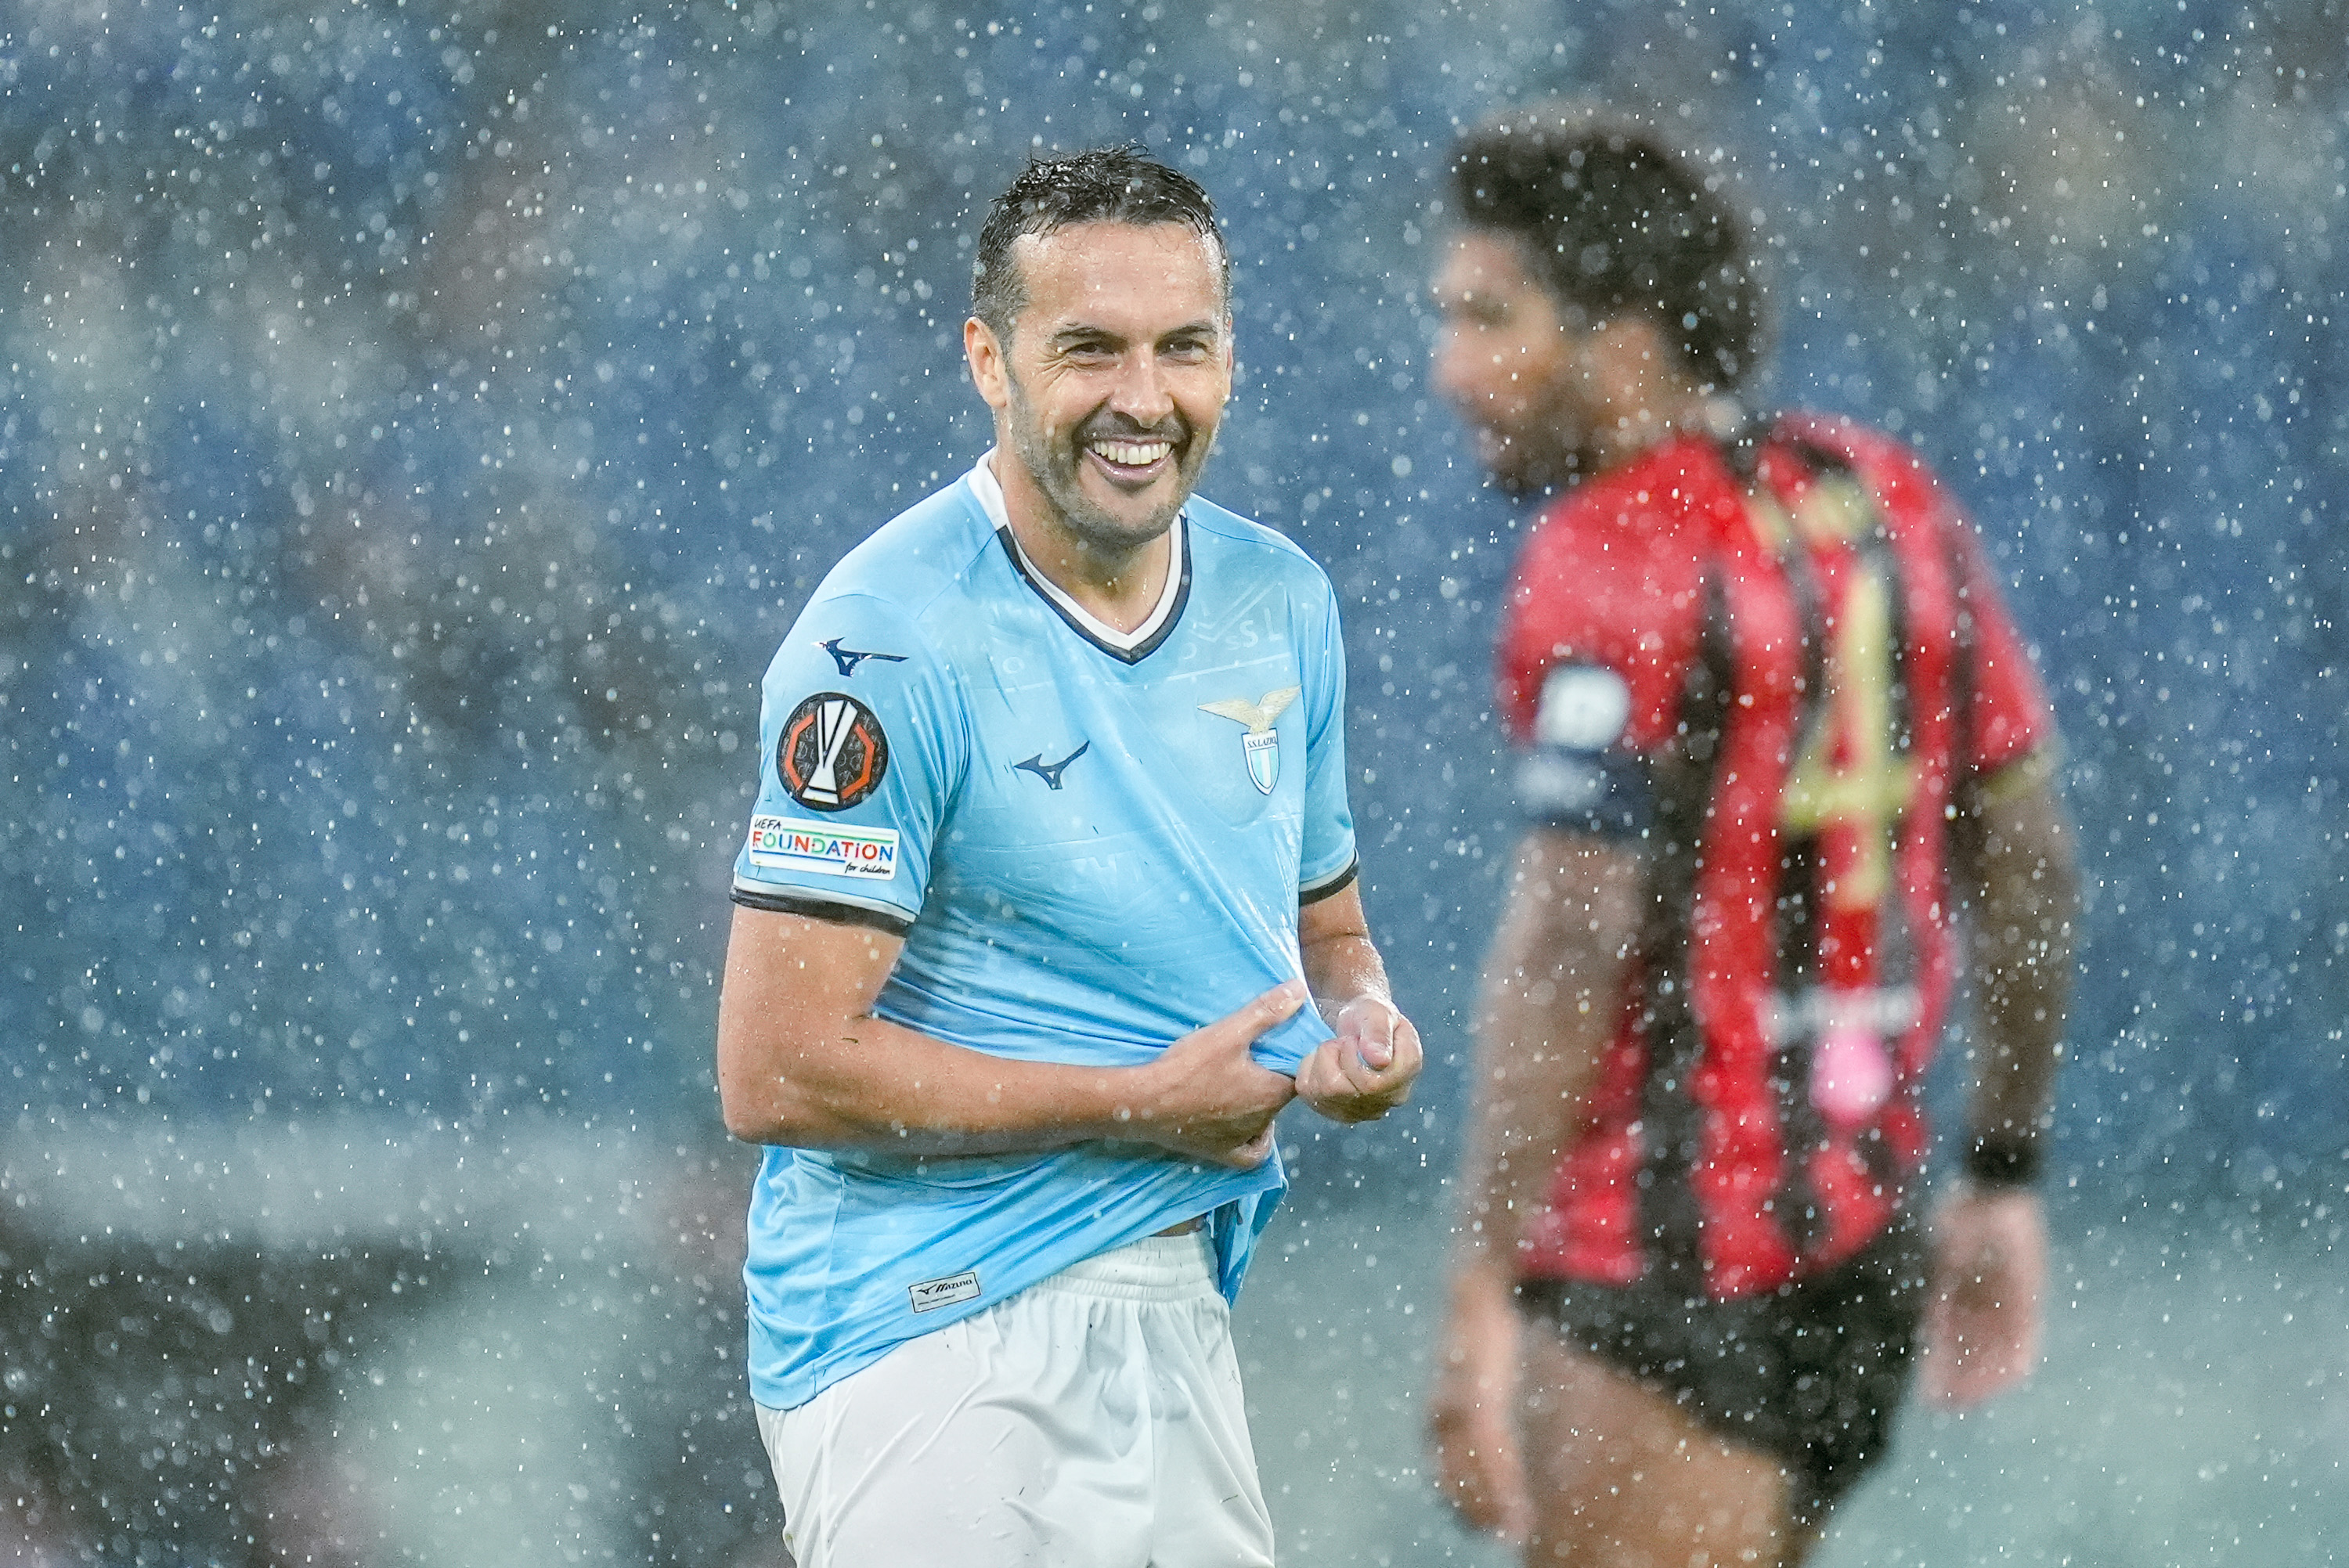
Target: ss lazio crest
(1261,743)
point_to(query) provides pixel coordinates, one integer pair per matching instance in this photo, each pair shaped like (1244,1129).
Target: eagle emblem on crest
(1260,745)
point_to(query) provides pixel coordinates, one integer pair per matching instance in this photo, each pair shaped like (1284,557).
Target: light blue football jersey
(1092,843)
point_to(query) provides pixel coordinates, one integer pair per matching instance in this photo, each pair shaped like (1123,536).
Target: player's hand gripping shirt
(1092,843)
(1780,686)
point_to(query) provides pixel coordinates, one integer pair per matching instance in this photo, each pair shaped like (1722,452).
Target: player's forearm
(1478,1343)
(1530,1100)
(1546,1010)
(803,1061)
(2027,896)
(868,1085)
(1344,969)
(1482,1300)
(1367,1068)
(1341,963)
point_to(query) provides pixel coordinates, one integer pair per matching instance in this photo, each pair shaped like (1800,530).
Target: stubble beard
(1058,467)
(1563,452)
(1523,475)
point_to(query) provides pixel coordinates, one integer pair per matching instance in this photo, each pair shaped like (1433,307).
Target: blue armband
(1580,775)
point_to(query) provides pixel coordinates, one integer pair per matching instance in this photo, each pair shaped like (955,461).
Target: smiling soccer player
(1050,846)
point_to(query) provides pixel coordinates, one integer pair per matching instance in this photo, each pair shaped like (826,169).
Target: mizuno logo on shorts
(933,1294)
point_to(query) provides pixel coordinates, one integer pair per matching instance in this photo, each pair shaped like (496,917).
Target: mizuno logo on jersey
(778,843)
(1050,772)
(849,658)
(1261,745)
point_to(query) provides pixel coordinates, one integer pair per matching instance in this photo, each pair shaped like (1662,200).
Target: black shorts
(1810,1374)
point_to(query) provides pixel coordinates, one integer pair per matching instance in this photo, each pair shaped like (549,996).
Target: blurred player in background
(1051,841)
(1781,745)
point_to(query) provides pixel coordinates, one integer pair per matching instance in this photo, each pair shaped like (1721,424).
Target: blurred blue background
(418,425)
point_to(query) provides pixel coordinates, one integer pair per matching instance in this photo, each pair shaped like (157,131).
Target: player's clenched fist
(1368,1069)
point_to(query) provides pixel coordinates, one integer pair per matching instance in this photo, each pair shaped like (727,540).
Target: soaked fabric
(1095,1420)
(1091,849)
(1781,670)
(1810,1374)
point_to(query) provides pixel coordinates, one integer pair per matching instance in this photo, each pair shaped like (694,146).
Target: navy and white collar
(1130,647)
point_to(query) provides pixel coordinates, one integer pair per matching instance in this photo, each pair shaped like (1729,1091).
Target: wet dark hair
(1615,220)
(1102,184)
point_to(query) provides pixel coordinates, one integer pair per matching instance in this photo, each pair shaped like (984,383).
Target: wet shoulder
(1657,493)
(1223,541)
(1622,551)
(1890,466)
(920,563)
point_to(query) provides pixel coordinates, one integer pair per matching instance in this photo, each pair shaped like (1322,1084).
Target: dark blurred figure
(176,1404)
(1778,733)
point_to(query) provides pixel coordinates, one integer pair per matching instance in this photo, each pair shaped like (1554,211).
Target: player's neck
(1117,583)
(1667,408)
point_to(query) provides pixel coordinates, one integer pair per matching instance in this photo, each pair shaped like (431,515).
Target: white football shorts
(1091,1421)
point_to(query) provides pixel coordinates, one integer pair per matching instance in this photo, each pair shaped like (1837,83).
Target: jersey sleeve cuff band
(824,909)
(1338,884)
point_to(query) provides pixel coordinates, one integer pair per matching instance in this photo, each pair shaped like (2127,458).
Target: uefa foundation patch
(779,843)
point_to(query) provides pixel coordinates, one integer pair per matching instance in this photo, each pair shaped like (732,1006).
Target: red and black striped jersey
(1780,666)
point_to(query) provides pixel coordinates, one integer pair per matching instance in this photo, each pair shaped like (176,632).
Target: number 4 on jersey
(1850,772)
